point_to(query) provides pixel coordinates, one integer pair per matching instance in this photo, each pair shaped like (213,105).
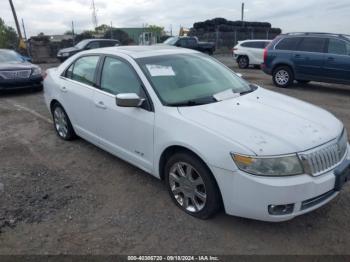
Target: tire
(243,62)
(193,190)
(283,76)
(62,124)
(303,81)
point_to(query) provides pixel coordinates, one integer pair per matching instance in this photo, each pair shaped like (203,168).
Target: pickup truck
(191,43)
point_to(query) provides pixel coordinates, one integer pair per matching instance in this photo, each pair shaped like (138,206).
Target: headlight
(343,143)
(36,71)
(269,166)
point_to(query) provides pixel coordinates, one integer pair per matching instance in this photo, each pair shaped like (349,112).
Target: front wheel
(283,77)
(192,186)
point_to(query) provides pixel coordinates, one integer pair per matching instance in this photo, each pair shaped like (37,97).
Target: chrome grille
(20,74)
(326,157)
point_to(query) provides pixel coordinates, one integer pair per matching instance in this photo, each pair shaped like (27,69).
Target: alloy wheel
(61,123)
(282,77)
(187,187)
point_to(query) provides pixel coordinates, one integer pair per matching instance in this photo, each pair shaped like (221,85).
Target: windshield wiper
(195,102)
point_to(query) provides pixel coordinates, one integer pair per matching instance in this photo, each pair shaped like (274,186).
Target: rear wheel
(62,124)
(243,62)
(192,186)
(283,76)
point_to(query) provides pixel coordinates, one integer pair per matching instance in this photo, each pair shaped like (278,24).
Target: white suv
(249,52)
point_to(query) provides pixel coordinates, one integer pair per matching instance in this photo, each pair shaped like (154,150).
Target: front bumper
(250,196)
(32,82)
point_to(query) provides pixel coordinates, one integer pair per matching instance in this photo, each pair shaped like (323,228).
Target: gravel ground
(72,198)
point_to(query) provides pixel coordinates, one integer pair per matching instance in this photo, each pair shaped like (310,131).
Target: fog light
(280,210)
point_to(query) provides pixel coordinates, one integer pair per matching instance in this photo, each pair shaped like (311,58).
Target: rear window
(289,44)
(338,47)
(260,44)
(312,44)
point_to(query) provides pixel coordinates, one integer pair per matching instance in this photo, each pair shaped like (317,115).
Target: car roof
(136,51)
(99,39)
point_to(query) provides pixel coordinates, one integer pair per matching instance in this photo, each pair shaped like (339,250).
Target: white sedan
(215,139)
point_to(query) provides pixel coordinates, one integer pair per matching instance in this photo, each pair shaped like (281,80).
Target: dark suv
(86,44)
(305,57)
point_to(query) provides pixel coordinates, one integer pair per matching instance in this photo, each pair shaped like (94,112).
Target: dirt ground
(73,198)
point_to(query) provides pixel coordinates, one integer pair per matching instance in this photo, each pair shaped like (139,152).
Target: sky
(56,16)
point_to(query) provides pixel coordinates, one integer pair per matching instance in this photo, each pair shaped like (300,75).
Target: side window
(118,77)
(69,72)
(183,42)
(83,70)
(93,45)
(289,44)
(107,43)
(247,44)
(191,42)
(312,44)
(338,47)
(266,44)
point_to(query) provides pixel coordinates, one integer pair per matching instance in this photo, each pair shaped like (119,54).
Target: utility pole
(94,14)
(16,20)
(242,12)
(111,30)
(73,34)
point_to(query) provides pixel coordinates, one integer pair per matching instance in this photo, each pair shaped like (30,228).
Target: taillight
(233,50)
(265,55)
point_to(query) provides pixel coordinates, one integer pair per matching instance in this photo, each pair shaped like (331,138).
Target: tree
(8,36)
(156,30)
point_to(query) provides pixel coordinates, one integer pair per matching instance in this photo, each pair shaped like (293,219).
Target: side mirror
(129,100)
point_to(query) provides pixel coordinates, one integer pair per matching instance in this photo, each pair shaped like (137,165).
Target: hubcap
(60,122)
(243,62)
(282,77)
(187,187)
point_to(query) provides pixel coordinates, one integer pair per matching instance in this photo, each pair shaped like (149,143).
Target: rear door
(257,50)
(337,62)
(77,90)
(309,58)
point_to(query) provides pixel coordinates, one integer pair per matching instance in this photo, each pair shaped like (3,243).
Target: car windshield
(81,44)
(190,79)
(8,56)
(171,41)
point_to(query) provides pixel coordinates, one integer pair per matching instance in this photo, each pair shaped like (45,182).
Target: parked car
(305,57)
(17,73)
(86,44)
(191,43)
(214,138)
(250,52)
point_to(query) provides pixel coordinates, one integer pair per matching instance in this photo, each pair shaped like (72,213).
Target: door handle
(64,89)
(101,105)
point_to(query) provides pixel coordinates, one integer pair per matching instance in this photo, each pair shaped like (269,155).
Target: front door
(337,64)
(124,131)
(309,58)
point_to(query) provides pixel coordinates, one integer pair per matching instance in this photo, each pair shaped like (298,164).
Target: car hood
(16,66)
(267,123)
(68,50)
